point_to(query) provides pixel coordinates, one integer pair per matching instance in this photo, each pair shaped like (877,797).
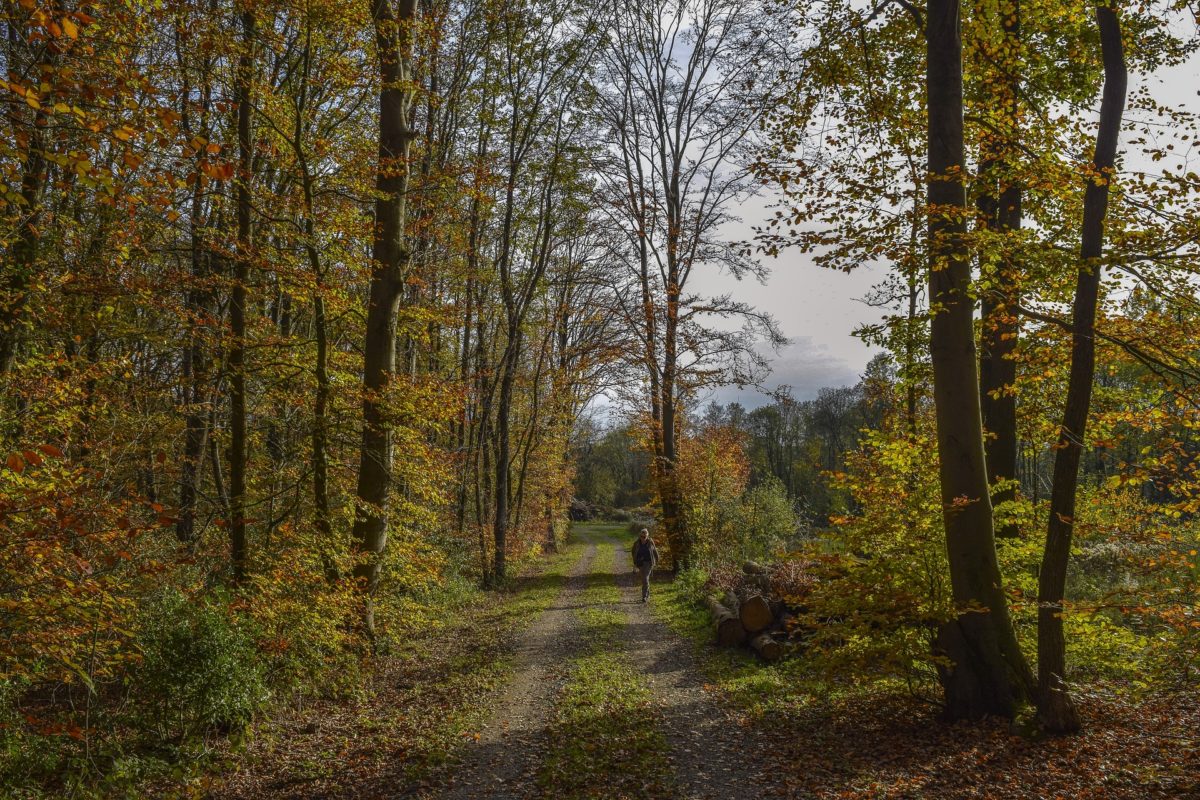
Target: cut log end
(767,648)
(755,614)
(729,629)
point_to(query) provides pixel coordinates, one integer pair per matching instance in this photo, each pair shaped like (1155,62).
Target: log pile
(748,616)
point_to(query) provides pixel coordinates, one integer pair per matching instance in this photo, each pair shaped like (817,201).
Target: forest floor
(569,687)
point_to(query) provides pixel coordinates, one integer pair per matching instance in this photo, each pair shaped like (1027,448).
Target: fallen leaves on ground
(888,746)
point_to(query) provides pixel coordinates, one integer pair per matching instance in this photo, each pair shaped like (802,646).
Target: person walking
(645,556)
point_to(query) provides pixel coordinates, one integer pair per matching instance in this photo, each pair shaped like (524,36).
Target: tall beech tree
(394,37)
(998,206)
(985,673)
(1056,710)
(238,437)
(684,88)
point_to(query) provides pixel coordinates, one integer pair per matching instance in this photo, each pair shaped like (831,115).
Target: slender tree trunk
(199,300)
(320,438)
(393,41)
(503,466)
(483,436)
(323,517)
(237,309)
(464,431)
(986,673)
(1056,710)
(17,276)
(999,206)
(669,492)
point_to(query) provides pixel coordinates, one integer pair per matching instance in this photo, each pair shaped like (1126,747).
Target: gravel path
(710,756)
(710,752)
(503,762)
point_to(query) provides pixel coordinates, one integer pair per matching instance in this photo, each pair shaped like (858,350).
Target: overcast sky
(819,309)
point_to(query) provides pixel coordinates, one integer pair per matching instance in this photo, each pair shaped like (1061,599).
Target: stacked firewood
(748,616)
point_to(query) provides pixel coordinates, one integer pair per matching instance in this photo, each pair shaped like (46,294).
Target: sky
(818,309)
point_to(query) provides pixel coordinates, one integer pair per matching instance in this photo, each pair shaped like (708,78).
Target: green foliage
(301,624)
(766,519)
(200,670)
(611,471)
(886,586)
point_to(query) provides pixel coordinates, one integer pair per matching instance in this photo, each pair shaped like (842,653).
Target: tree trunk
(755,614)
(1056,710)
(15,281)
(767,648)
(503,455)
(199,300)
(999,206)
(393,41)
(987,673)
(237,309)
(670,497)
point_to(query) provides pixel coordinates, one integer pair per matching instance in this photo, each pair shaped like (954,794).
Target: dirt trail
(711,754)
(503,763)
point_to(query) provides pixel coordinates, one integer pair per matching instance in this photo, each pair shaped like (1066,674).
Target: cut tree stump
(730,631)
(755,614)
(767,648)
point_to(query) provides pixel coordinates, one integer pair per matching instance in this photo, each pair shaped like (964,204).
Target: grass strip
(604,742)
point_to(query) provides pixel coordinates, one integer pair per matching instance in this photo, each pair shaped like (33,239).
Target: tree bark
(319,436)
(986,673)
(767,648)
(999,206)
(393,41)
(199,304)
(1056,710)
(755,614)
(15,280)
(726,625)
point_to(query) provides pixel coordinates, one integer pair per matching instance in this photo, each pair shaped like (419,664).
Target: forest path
(503,761)
(708,754)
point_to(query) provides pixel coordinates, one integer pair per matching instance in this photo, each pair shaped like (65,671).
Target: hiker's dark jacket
(645,554)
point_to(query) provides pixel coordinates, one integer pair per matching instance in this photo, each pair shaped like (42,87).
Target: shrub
(765,520)
(300,621)
(199,671)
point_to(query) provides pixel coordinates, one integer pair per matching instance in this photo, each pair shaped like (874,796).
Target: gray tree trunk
(1056,710)
(393,41)
(237,308)
(986,673)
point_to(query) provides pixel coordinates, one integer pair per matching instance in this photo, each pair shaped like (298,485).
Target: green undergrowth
(604,742)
